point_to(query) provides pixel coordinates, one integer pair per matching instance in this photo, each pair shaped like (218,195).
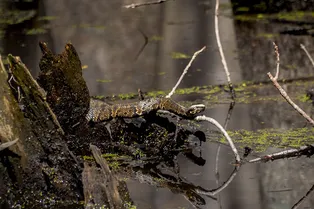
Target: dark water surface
(110,41)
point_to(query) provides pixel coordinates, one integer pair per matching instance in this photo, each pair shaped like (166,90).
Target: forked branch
(283,92)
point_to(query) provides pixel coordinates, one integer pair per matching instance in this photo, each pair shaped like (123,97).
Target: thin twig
(132,6)
(278,60)
(215,123)
(284,93)
(185,71)
(223,59)
(307,53)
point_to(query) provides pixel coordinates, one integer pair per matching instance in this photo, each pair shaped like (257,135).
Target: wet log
(38,169)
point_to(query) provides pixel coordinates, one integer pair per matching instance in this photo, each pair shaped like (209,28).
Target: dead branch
(222,55)
(278,60)
(215,123)
(304,150)
(283,92)
(132,6)
(110,182)
(185,71)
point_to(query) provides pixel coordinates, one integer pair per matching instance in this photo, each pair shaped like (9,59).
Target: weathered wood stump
(67,92)
(40,164)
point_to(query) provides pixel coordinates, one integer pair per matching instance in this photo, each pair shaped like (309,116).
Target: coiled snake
(100,111)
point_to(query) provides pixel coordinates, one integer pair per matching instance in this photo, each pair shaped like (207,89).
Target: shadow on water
(109,39)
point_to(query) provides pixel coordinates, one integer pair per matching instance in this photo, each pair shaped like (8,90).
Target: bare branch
(284,93)
(132,6)
(185,71)
(287,98)
(222,55)
(278,60)
(307,53)
(304,150)
(215,123)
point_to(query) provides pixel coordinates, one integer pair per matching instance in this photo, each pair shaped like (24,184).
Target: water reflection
(109,38)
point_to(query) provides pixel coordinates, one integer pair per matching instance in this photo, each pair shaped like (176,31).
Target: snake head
(195,109)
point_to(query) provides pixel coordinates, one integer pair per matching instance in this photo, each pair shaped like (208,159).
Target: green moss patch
(262,139)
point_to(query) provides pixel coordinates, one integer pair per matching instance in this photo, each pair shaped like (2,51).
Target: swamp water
(125,49)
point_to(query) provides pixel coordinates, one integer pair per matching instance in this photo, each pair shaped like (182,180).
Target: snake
(100,111)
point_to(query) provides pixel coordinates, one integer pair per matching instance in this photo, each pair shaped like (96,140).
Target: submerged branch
(304,150)
(132,6)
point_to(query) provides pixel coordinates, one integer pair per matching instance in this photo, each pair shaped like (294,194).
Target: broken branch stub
(67,92)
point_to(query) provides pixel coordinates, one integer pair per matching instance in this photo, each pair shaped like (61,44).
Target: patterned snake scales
(100,111)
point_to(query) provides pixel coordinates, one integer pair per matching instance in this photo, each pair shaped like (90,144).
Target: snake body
(100,111)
